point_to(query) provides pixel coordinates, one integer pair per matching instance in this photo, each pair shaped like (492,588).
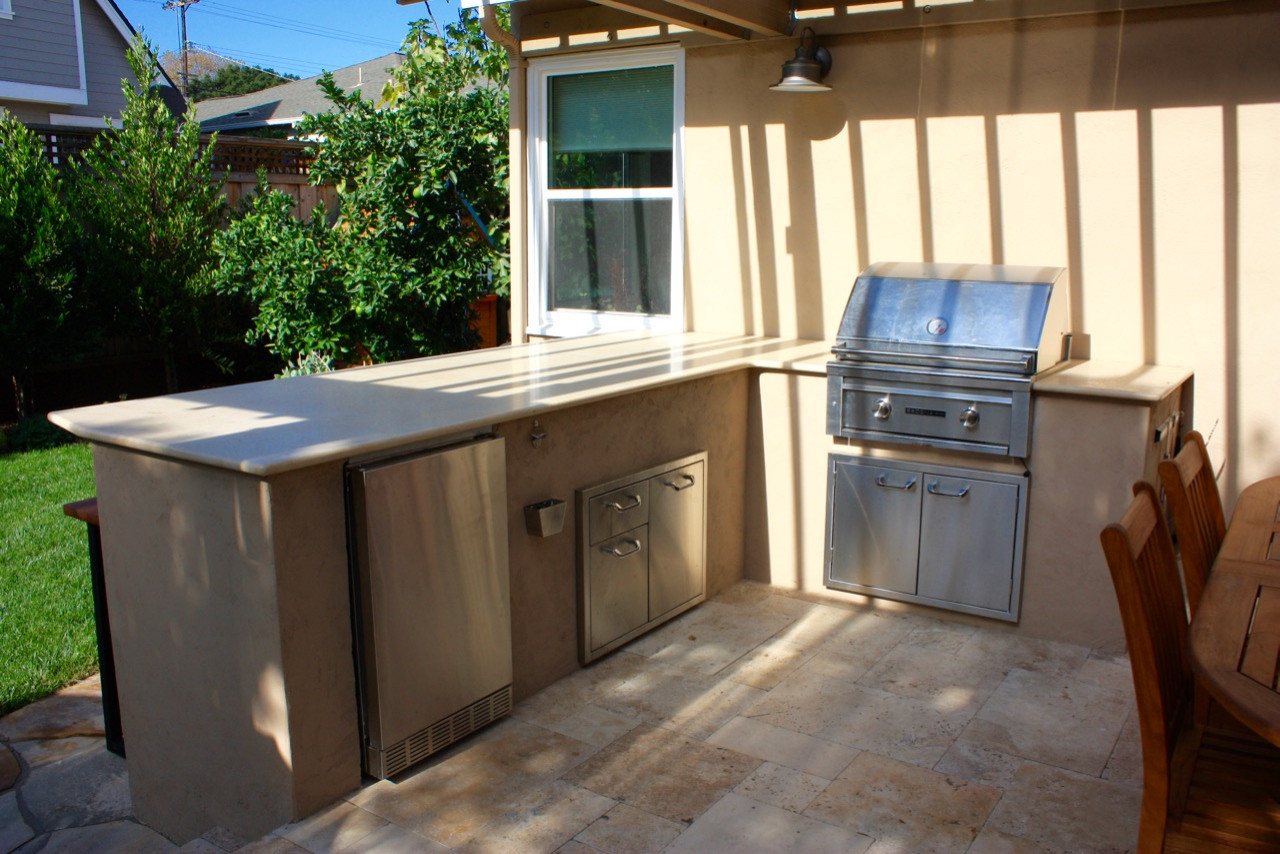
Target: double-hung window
(606,222)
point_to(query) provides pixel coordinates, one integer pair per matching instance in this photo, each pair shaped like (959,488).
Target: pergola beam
(764,17)
(671,13)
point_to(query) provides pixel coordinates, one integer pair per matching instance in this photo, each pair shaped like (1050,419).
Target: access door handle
(689,481)
(623,508)
(883,483)
(618,552)
(933,490)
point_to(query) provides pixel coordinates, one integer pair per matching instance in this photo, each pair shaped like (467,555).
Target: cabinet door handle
(883,483)
(933,490)
(623,508)
(618,552)
(689,482)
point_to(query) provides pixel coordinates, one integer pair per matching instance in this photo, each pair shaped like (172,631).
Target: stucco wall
(1139,150)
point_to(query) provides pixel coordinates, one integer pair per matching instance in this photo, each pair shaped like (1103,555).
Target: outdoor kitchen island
(224,532)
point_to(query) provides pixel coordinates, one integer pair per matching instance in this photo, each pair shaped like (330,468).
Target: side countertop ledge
(1121,380)
(269,427)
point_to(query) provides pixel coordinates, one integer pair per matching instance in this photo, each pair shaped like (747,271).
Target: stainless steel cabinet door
(677,552)
(968,532)
(873,527)
(619,584)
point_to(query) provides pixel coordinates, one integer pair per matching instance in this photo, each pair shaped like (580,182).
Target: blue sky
(301,37)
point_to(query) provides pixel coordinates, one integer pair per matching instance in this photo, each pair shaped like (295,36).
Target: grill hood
(984,318)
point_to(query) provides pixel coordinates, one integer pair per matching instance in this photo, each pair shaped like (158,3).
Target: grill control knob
(969,418)
(883,409)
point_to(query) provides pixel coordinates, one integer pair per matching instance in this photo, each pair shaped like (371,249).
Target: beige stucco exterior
(1140,150)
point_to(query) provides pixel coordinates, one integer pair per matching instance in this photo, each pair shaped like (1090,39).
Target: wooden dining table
(1235,634)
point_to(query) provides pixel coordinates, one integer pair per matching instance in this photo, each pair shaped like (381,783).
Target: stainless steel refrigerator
(430,599)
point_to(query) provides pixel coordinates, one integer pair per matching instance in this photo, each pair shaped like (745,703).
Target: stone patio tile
(44,751)
(938,635)
(563,698)
(271,845)
(1125,763)
(14,830)
(448,800)
(90,787)
(997,842)
(663,772)
(628,830)
(914,730)
(1065,721)
(690,622)
(718,636)
(1064,811)
(1010,652)
(782,787)
(784,747)
(768,664)
(118,837)
(812,624)
(338,826)
(387,839)
(865,635)
(739,825)
(955,681)
(75,710)
(593,725)
(1114,673)
(979,764)
(695,706)
(544,821)
(918,809)
(10,768)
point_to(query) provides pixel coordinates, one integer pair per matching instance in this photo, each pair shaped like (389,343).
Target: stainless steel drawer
(619,585)
(620,510)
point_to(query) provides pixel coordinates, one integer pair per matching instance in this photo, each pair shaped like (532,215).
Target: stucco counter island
(224,538)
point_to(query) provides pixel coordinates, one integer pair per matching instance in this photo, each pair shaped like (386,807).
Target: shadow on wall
(1137,149)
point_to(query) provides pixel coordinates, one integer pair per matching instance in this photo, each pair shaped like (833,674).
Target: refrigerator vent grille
(441,734)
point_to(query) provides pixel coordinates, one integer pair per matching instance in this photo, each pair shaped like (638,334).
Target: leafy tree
(422,228)
(150,207)
(234,80)
(35,268)
(199,62)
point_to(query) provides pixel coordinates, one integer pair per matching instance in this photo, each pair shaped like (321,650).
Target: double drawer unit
(643,552)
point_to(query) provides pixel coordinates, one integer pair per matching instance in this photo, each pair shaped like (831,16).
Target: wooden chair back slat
(1192,491)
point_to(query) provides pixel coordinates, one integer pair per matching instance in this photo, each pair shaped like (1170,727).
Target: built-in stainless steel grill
(932,360)
(944,354)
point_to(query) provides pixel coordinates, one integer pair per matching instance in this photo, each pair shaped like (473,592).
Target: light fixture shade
(804,73)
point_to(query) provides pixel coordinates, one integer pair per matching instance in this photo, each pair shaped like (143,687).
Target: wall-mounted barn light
(804,73)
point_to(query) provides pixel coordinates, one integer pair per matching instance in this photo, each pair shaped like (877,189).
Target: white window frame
(6,10)
(572,322)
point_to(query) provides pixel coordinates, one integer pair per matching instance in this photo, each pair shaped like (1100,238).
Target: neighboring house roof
(287,103)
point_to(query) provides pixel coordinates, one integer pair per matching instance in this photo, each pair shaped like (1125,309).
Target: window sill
(576,324)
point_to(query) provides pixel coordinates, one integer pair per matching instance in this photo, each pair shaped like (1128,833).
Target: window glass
(611,128)
(611,255)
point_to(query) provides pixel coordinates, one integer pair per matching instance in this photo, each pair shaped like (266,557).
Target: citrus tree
(421,229)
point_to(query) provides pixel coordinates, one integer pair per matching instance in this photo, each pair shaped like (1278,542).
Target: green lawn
(46,605)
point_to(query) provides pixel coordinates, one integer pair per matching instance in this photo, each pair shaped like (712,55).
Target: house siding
(106,62)
(38,46)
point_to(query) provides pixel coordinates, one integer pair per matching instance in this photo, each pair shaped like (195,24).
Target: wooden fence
(287,163)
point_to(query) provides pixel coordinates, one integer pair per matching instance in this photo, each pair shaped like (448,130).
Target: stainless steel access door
(434,618)
(873,526)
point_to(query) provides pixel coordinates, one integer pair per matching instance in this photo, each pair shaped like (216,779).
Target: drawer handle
(933,490)
(883,483)
(678,488)
(623,508)
(617,552)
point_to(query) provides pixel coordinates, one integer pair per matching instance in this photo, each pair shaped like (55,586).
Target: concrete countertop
(274,426)
(1119,380)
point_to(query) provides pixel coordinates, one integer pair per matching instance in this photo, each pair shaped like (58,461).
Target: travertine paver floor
(760,721)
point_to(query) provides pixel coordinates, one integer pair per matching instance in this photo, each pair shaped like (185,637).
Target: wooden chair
(1192,492)
(1202,789)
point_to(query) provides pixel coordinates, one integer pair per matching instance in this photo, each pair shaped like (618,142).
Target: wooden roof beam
(670,13)
(764,17)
